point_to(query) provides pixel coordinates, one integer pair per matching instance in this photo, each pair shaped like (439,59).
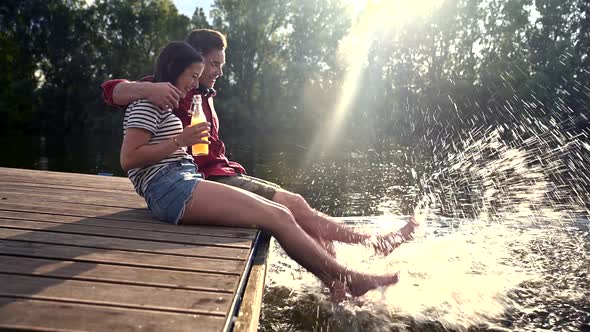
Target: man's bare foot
(337,291)
(408,230)
(361,283)
(385,244)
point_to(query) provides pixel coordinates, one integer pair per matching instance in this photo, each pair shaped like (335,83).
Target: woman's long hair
(173,60)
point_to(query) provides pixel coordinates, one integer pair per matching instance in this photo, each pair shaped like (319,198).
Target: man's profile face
(214,61)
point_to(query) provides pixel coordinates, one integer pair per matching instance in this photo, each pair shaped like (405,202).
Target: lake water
(504,242)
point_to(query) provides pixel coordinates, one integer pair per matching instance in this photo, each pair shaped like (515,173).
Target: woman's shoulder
(144,105)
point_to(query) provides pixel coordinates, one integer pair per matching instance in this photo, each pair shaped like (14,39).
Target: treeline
(468,63)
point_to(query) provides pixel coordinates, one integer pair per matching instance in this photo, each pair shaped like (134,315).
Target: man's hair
(173,60)
(205,40)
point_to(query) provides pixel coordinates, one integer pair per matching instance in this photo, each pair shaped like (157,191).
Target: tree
(199,19)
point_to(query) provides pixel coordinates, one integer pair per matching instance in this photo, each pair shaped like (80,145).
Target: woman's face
(189,79)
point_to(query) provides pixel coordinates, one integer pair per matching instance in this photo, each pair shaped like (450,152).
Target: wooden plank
(95,183)
(122,187)
(77,208)
(42,173)
(26,314)
(118,257)
(249,314)
(148,226)
(122,233)
(124,244)
(121,295)
(119,274)
(67,176)
(142,215)
(12,185)
(61,195)
(81,211)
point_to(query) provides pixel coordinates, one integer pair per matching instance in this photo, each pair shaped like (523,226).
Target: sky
(187,7)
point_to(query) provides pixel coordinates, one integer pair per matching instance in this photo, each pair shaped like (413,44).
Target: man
(215,166)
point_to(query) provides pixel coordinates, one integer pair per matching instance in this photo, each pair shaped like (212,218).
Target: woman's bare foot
(328,246)
(362,283)
(385,244)
(358,284)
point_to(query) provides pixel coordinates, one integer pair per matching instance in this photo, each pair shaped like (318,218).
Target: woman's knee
(280,219)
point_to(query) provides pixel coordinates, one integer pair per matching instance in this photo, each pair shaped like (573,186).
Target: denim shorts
(170,189)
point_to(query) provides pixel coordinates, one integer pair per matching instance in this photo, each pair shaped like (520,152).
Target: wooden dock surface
(82,253)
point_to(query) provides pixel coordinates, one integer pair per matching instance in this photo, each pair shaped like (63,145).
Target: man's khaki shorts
(258,186)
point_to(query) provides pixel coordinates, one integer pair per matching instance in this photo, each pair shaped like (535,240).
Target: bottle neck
(196,107)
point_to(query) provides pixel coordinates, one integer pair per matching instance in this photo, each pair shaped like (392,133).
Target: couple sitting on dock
(211,190)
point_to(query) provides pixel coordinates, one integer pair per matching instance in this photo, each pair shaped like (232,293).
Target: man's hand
(162,94)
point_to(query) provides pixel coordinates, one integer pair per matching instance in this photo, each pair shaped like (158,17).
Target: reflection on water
(504,242)
(91,154)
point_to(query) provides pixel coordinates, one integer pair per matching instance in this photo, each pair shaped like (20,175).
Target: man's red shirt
(213,164)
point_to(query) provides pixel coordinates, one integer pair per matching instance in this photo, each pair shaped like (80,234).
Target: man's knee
(294,202)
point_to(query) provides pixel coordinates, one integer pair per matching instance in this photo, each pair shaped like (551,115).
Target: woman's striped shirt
(162,125)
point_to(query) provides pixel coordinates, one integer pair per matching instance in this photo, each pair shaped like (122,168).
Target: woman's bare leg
(221,205)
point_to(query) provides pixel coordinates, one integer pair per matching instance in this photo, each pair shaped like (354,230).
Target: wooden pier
(82,253)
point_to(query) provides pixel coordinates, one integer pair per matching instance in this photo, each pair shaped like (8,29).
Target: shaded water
(504,242)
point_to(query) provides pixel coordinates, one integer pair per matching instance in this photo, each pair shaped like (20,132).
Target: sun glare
(370,17)
(399,11)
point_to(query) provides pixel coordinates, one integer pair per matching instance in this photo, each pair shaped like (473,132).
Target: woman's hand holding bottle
(195,134)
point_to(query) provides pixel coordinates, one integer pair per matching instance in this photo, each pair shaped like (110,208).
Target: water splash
(523,185)
(504,243)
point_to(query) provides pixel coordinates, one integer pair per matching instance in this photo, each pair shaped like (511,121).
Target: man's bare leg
(325,228)
(385,244)
(315,223)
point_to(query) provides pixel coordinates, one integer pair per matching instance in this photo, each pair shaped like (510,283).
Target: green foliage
(199,19)
(280,62)
(479,63)
(463,66)
(18,83)
(59,52)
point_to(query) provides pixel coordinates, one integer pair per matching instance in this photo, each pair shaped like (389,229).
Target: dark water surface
(504,242)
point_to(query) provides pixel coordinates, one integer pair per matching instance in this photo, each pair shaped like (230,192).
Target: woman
(154,155)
